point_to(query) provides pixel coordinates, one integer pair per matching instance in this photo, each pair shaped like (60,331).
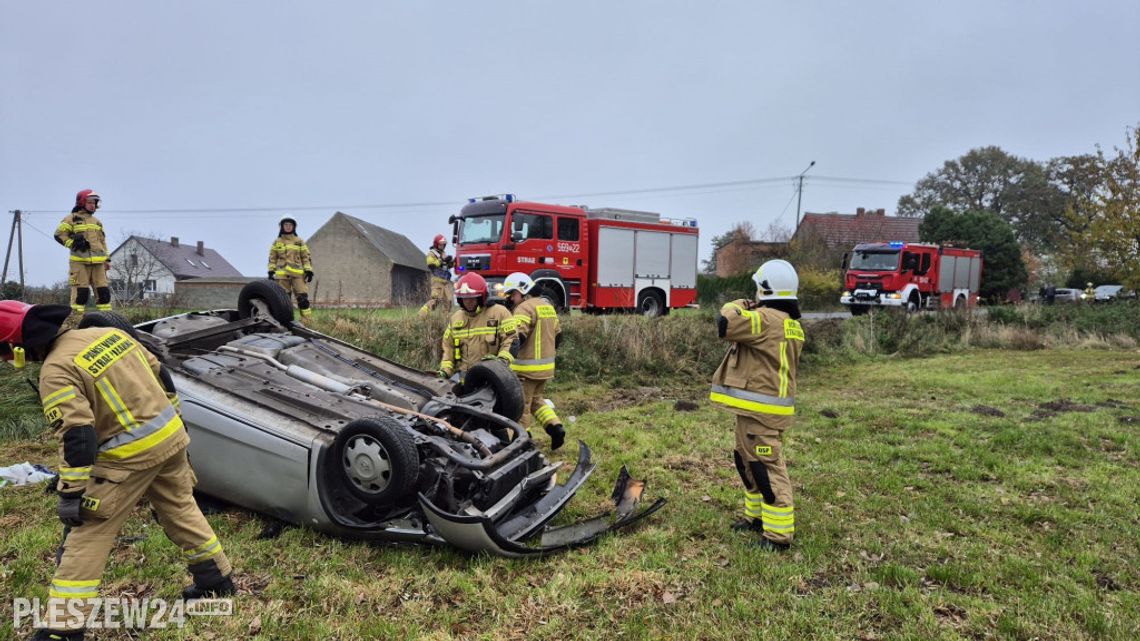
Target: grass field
(991,494)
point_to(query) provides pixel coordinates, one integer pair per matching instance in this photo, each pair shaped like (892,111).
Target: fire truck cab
(912,276)
(596,260)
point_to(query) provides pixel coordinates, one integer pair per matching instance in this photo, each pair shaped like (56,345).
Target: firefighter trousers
(535,406)
(109,498)
(759,459)
(440,296)
(295,284)
(82,277)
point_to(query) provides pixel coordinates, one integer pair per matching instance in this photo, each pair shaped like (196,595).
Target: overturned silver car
(310,430)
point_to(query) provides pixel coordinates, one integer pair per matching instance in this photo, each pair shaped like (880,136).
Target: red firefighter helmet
(438,239)
(83,195)
(471,286)
(27,325)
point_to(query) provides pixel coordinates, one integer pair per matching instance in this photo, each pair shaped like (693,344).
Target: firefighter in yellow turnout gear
(757,382)
(82,233)
(439,264)
(539,330)
(290,264)
(115,411)
(476,331)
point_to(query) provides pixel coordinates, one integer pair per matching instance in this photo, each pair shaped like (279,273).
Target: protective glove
(449,261)
(441,374)
(272,274)
(308,275)
(69,504)
(79,243)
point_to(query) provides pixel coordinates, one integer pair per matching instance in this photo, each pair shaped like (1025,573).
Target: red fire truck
(596,260)
(910,275)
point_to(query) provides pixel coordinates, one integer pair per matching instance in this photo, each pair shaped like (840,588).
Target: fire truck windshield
(481,229)
(877,261)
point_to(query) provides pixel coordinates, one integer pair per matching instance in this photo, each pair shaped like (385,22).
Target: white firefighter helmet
(517,282)
(776,280)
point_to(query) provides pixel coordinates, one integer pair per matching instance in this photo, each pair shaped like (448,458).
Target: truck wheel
(377,459)
(498,376)
(552,295)
(859,310)
(914,303)
(650,304)
(264,298)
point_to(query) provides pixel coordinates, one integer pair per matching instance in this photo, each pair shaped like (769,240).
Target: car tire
(377,460)
(107,319)
(498,376)
(271,295)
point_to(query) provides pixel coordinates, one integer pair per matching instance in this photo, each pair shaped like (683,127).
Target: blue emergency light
(510,198)
(896,244)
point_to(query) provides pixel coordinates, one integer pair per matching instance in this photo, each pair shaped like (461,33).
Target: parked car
(310,430)
(1106,293)
(1066,295)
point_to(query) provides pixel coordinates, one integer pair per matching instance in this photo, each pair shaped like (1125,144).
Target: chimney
(201,251)
(860,211)
(880,212)
(173,241)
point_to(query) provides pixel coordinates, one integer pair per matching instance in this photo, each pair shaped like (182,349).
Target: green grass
(921,515)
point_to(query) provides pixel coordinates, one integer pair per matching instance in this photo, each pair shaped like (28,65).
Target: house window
(150,286)
(205,264)
(134,262)
(191,262)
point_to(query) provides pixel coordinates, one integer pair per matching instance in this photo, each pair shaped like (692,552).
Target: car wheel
(650,304)
(498,376)
(377,459)
(107,319)
(262,298)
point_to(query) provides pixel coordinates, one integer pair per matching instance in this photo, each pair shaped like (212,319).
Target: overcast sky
(304,108)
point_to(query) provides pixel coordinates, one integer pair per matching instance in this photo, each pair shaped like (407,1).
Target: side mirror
(451,219)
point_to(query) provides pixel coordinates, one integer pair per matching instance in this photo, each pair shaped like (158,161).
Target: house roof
(843,231)
(184,261)
(395,246)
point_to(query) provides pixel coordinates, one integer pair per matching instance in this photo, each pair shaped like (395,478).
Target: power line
(680,189)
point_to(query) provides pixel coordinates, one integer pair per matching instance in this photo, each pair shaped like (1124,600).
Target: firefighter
(289,263)
(115,410)
(539,332)
(82,233)
(439,264)
(756,381)
(1089,293)
(476,331)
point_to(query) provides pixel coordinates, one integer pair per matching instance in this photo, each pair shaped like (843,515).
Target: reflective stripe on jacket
(471,337)
(82,223)
(289,256)
(538,326)
(758,374)
(104,378)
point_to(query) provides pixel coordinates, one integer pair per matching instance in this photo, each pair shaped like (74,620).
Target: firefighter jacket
(758,374)
(436,262)
(83,224)
(102,377)
(538,327)
(469,338)
(289,256)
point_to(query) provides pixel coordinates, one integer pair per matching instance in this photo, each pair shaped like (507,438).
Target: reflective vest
(470,337)
(538,326)
(82,223)
(758,374)
(289,256)
(104,378)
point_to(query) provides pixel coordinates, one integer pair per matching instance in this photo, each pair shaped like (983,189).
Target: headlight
(896,296)
(846,293)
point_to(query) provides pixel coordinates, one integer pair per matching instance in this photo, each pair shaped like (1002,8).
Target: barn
(359,264)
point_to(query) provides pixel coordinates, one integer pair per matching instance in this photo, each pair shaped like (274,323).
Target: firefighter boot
(557,435)
(768,545)
(44,634)
(748,525)
(223,588)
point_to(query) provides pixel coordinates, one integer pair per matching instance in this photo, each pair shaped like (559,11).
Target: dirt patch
(1113,404)
(829,413)
(817,582)
(683,405)
(1065,405)
(950,614)
(621,398)
(985,410)
(1106,582)
(1129,420)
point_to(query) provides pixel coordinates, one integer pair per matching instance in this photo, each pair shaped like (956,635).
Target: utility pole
(17,233)
(800,194)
